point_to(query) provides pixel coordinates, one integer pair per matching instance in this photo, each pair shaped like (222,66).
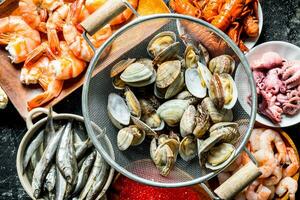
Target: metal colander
(131,41)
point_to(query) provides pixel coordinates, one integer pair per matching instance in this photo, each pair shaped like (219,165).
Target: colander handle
(239,181)
(103,15)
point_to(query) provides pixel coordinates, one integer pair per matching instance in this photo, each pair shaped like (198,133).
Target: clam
(172,111)
(118,111)
(121,66)
(175,87)
(194,83)
(226,131)
(223,91)
(163,152)
(186,95)
(136,72)
(144,82)
(188,148)
(169,53)
(143,126)
(222,64)
(130,136)
(205,74)
(191,57)
(202,122)
(216,115)
(118,83)
(132,103)
(220,156)
(167,73)
(204,55)
(163,157)
(160,42)
(150,117)
(188,121)
(146,61)
(223,132)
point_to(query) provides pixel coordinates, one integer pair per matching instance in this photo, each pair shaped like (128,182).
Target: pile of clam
(182,104)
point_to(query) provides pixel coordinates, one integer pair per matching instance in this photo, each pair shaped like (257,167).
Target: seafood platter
(168,100)
(59,55)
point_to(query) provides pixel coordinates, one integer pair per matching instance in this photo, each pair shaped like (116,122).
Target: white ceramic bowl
(32,130)
(287,51)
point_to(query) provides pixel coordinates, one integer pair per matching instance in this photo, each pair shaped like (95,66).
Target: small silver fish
(93,175)
(84,172)
(32,147)
(99,183)
(43,165)
(65,156)
(61,186)
(50,182)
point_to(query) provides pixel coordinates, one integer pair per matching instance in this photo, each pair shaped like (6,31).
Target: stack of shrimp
(277,163)
(237,18)
(45,35)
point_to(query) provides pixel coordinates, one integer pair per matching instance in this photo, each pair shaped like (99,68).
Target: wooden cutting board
(19,94)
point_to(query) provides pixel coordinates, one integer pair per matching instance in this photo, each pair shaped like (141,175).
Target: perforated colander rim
(88,76)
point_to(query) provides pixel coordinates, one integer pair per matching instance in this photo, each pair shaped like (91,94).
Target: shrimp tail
(52,91)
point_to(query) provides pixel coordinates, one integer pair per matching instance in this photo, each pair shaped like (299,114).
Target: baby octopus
(277,85)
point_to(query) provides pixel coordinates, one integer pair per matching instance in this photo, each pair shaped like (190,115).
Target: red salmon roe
(131,190)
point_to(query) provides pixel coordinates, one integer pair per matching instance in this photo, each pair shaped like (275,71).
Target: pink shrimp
(255,138)
(266,162)
(287,185)
(293,166)
(19,37)
(270,137)
(257,191)
(275,177)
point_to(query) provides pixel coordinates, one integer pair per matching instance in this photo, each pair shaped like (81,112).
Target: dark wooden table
(281,22)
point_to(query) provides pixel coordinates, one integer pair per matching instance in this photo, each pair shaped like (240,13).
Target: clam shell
(194,83)
(153,121)
(120,66)
(188,148)
(160,42)
(132,103)
(220,156)
(202,122)
(188,121)
(118,111)
(143,126)
(169,53)
(129,136)
(175,87)
(221,115)
(147,62)
(118,83)
(222,64)
(136,72)
(186,95)
(204,73)
(172,111)
(190,57)
(228,131)
(203,54)
(167,72)
(223,91)
(144,82)
(162,156)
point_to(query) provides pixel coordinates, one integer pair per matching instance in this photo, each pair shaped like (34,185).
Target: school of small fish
(45,35)
(62,163)
(277,162)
